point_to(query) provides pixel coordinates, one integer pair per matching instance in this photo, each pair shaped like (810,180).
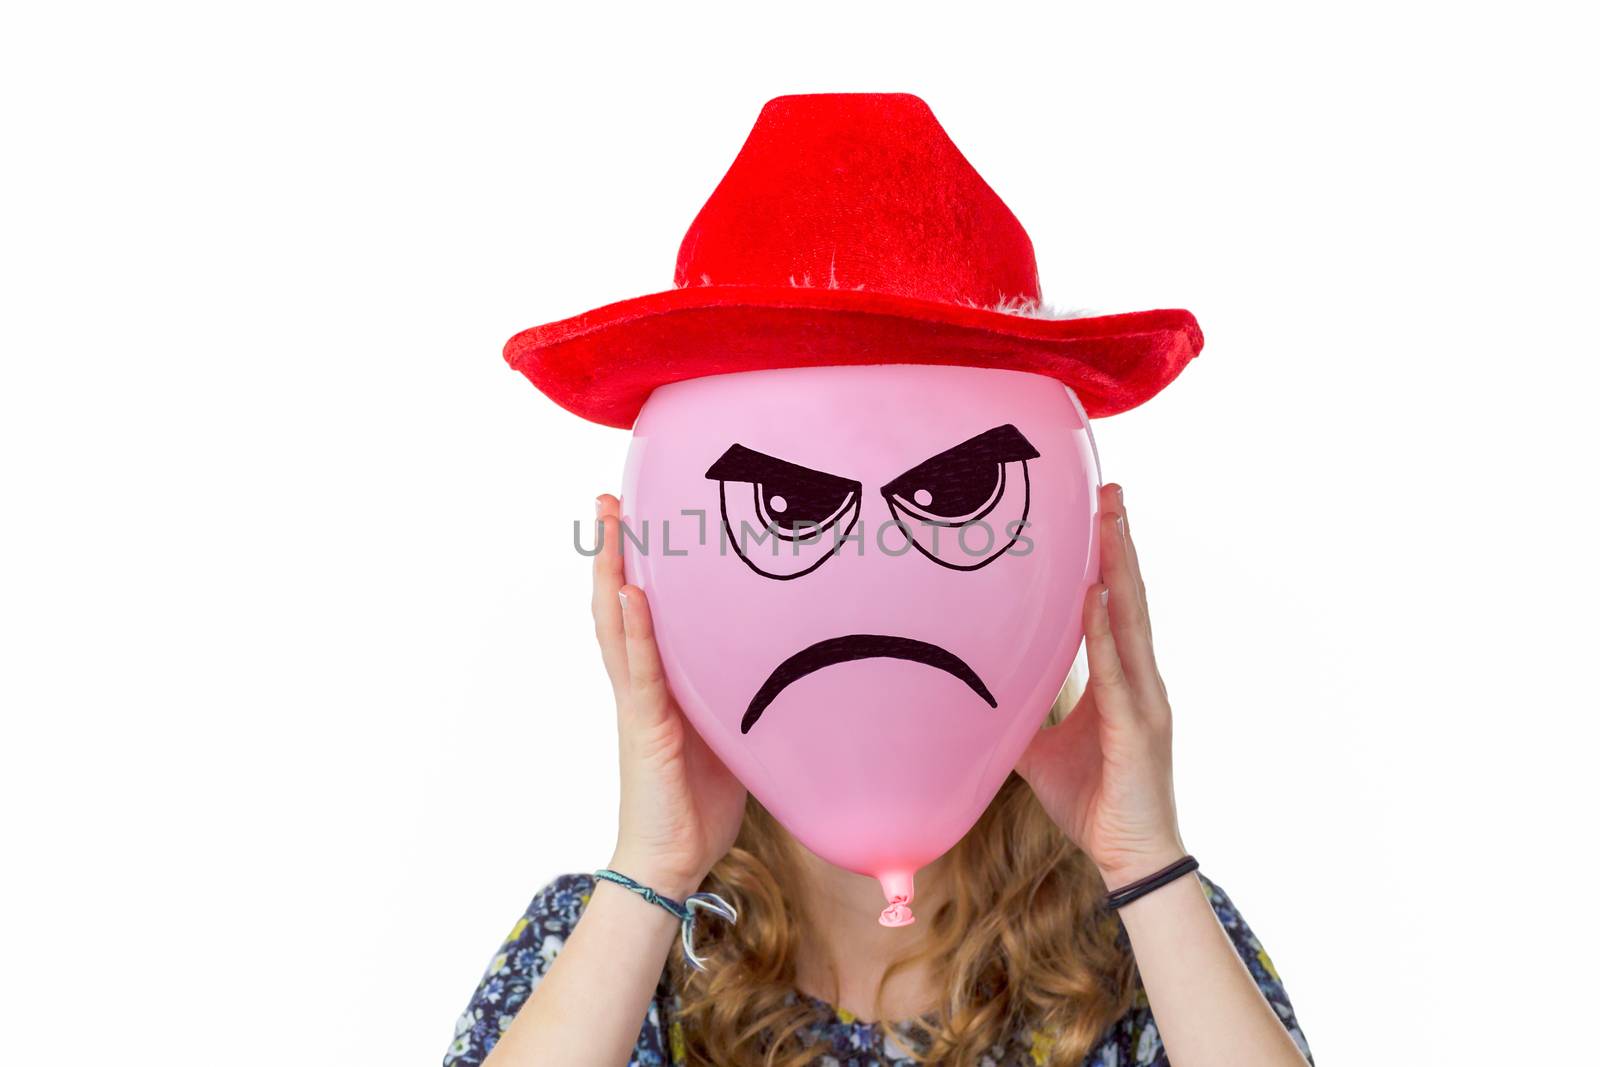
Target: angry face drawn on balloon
(867,584)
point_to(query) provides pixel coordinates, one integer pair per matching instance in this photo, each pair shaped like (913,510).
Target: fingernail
(1119,494)
(1104,593)
(622,595)
(598,503)
(1122,528)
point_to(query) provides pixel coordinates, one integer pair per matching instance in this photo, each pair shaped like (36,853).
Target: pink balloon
(871,690)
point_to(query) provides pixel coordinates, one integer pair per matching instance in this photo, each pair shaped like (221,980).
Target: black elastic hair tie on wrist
(1134,890)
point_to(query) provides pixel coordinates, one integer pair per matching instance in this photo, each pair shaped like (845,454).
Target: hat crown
(859,191)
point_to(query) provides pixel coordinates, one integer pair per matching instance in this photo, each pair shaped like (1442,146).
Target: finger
(1149,669)
(1133,561)
(1144,603)
(648,699)
(1113,499)
(1127,609)
(604,605)
(1113,692)
(1116,571)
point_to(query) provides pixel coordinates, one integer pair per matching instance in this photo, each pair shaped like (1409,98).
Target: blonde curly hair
(1021,942)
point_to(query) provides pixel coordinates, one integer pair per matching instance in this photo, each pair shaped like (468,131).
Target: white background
(300,704)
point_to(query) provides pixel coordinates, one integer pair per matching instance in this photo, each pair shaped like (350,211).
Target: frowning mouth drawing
(854,647)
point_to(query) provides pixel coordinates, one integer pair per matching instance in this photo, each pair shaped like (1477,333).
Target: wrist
(1129,868)
(665,878)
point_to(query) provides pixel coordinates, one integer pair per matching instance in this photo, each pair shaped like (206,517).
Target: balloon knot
(898,913)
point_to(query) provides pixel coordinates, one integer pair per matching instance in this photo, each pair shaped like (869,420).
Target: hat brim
(603,364)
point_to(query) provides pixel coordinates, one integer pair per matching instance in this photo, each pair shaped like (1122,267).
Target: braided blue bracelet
(684,912)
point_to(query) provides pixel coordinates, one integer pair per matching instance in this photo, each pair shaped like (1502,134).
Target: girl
(1019,961)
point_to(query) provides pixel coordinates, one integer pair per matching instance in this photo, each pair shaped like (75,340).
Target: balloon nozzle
(898,889)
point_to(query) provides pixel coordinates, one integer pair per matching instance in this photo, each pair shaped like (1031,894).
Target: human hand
(1104,773)
(681,807)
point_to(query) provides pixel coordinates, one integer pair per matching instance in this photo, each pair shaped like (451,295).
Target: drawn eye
(783,520)
(965,506)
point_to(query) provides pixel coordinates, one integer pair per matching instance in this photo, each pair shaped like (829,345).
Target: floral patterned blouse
(536,938)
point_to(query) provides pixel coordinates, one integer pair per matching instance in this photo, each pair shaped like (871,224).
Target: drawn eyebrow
(1003,444)
(741,464)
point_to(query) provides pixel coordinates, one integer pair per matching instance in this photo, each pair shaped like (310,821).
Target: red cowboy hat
(850,229)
